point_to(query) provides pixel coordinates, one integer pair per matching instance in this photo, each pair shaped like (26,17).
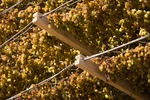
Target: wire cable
(6,10)
(41,83)
(65,7)
(48,79)
(74,3)
(30,25)
(71,65)
(118,47)
(22,33)
(9,40)
(58,8)
(144,42)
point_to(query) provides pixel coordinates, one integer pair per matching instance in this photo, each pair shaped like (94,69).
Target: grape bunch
(132,66)
(99,24)
(76,86)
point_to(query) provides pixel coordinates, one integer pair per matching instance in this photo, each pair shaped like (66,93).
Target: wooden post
(119,84)
(61,34)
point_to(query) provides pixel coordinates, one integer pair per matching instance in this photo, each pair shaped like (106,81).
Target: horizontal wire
(118,47)
(41,83)
(9,40)
(6,10)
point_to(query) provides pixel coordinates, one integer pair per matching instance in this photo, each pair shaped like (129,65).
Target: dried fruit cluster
(100,24)
(133,66)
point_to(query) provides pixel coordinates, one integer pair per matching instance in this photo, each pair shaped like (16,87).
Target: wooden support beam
(93,69)
(61,34)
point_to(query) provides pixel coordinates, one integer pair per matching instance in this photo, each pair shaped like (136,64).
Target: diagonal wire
(118,47)
(65,7)
(58,8)
(144,42)
(48,79)
(9,40)
(71,65)
(41,83)
(22,33)
(6,10)
(15,36)
(74,2)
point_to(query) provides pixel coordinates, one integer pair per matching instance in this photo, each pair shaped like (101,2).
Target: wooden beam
(61,34)
(93,69)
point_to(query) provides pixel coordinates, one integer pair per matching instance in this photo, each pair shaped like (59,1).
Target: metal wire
(9,40)
(143,42)
(22,33)
(118,47)
(65,7)
(48,79)
(58,8)
(6,10)
(71,65)
(41,83)
(30,25)
(74,2)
